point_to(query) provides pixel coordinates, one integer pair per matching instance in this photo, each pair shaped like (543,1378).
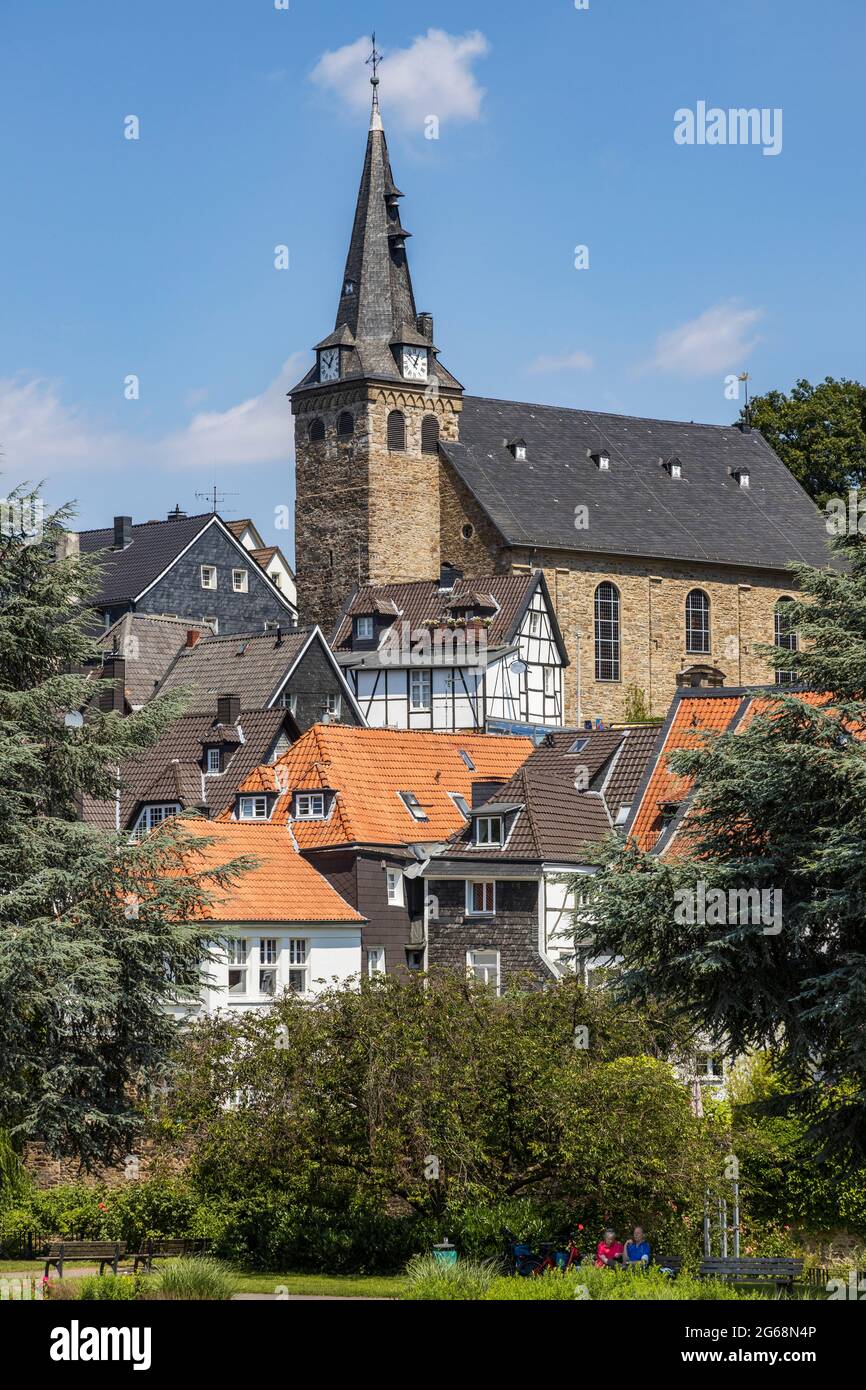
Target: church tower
(369,415)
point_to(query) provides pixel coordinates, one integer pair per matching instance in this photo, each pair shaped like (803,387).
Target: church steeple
(378,333)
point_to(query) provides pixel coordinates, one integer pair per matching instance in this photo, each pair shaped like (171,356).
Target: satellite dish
(518,667)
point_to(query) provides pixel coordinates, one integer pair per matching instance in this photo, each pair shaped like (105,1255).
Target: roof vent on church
(672,465)
(600,457)
(517,448)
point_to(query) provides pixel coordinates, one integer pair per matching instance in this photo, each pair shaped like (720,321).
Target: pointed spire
(375,114)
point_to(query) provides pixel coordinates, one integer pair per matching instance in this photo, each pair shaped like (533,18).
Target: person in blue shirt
(637,1250)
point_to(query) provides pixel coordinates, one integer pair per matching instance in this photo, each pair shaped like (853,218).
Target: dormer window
(673,467)
(413,805)
(741,477)
(488,830)
(252,808)
(309,806)
(601,459)
(349,287)
(517,449)
(213,762)
(364,629)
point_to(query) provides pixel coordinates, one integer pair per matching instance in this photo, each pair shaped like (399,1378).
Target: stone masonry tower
(369,415)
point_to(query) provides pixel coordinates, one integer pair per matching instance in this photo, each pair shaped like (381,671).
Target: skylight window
(413,805)
(461,803)
(467,760)
(578,745)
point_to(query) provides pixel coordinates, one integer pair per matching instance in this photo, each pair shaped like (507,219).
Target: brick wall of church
(652,624)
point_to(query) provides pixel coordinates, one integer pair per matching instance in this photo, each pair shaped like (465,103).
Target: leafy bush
(104,1288)
(132,1213)
(195,1279)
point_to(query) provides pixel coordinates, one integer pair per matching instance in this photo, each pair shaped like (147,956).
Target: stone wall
(57,1172)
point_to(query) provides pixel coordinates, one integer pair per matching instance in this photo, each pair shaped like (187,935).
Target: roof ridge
(155,521)
(604,414)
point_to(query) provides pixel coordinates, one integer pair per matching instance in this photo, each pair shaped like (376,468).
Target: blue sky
(155,257)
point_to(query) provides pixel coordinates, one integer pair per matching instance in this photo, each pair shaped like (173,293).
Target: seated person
(609,1252)
(637,1250)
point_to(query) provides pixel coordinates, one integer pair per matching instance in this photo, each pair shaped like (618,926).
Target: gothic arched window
(697,621)
(786,637)
(607,632)
(429,435)
(346,425)
(317,431)
(396,432)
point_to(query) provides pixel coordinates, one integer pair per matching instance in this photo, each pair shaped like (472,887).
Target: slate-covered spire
(376,312)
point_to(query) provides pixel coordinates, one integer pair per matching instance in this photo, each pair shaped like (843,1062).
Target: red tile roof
(369,767)
(283,888)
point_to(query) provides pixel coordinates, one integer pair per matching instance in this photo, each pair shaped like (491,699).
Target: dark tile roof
(613,760)
(424,601)
(557,822)
(148,646)
(154,545)
(619,787)
(252,665)
(170,770)
(636,508)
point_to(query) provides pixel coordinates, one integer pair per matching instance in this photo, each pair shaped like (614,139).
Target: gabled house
(455,653)
(137,651)
(368,806)
(289,668)
(189,567)
(281,926)
(197,765)
(269,557)
(498,900)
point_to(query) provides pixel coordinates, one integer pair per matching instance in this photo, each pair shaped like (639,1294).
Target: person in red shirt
(610,1251)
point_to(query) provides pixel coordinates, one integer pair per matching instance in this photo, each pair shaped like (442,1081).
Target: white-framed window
(268,955)
(213,760)
(394,886)
(488,830)
(413,805)
(364,629)
(254,808)
(534,622)
(298,965)
(237,955)
(152,816)
(482,964)
(549,682)
(419,690)
(240,581)
(309,806)
(208,577)
(480,897)
(333,704)
(375,960)
(288,700)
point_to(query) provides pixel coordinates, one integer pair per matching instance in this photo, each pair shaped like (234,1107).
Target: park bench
(107,1252)
(159,1249)
(774,1271)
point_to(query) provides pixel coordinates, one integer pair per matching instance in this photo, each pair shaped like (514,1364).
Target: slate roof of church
(635,508)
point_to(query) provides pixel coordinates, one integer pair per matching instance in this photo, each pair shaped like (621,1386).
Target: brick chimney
(113,697)
(122,532)
(68,543)
(193,637)
(228,708)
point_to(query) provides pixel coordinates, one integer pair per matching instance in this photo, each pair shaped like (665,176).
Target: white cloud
(432,77)
(570,361)
(718,340)
(41,436)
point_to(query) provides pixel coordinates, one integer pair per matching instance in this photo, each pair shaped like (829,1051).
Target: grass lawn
(21,1266)
(340,1285)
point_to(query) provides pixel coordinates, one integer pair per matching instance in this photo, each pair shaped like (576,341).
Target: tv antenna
(215,497)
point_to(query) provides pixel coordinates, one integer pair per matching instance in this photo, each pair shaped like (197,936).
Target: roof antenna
(374,59)
(215,497)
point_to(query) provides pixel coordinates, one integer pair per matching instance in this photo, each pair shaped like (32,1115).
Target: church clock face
(415,363)
(329,364)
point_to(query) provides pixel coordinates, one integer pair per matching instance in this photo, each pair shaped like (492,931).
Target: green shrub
(105,1288)
(196,1278)
(466,1279)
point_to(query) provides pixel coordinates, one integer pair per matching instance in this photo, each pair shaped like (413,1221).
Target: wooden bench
(774,1271)
(159,1249)
(107,1252)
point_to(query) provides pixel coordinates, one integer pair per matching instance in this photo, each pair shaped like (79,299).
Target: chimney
(193,637)
(448,577)
(68,544)
(122,532)
(228,709)
(113,697)
(482,792)
(424,324)
(176,514)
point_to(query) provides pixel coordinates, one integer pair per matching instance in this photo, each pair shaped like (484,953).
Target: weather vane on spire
(374,60)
